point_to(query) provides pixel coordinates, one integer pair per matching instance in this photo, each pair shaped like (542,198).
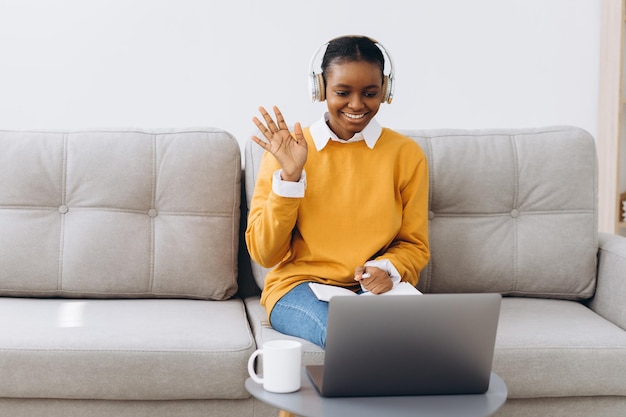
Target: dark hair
(353,48)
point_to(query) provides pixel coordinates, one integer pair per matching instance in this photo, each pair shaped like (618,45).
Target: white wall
(179,63)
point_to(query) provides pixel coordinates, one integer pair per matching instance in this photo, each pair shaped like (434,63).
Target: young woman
(342,202)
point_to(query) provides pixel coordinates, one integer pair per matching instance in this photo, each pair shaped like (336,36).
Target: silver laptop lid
(410,345)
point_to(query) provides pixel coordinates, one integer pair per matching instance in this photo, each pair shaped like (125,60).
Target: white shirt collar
(321,133)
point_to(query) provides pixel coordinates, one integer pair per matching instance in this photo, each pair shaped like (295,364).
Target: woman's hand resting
(378,281)
(289,150)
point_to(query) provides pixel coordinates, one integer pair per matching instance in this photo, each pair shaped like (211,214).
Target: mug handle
(251,371)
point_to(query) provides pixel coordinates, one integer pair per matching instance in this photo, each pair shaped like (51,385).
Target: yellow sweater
(360,204)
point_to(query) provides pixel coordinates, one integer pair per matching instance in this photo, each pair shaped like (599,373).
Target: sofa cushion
(124,349)
(512,211)
(558,348)
(263,331)
(134,213)
(544,348)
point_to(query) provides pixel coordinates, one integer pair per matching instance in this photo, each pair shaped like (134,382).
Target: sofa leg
(284,413)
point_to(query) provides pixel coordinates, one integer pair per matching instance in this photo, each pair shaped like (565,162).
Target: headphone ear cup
(316,83)
(321,87)
(387,90)
(313,87)
(385,96)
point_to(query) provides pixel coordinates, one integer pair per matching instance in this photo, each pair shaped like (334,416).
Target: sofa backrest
(252,160)
(512,211)
(126,213)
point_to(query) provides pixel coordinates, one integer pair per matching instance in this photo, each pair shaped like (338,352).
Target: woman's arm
(273,216)
(410,251)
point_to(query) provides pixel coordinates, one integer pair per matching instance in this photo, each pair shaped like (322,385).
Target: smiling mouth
(354,116)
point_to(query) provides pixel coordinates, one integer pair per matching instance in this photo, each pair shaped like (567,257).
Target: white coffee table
(308,403)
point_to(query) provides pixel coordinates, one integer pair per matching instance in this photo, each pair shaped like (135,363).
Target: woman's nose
(355,102)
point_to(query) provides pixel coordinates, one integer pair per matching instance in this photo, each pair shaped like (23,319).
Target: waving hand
(289,150)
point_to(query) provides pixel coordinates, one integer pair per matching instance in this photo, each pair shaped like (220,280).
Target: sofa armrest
(610,298)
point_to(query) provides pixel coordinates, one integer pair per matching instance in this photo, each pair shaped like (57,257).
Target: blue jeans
(299,313)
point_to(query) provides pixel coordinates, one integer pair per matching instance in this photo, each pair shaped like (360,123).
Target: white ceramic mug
(281,366)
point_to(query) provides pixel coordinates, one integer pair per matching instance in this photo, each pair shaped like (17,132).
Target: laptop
(430,344)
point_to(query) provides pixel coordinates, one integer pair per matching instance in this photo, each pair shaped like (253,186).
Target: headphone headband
(316,78)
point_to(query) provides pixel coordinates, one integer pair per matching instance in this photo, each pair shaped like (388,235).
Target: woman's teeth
(354,116)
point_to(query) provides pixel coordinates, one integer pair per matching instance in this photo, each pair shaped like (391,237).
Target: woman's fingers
(260,142)
(262,128)
(280,119)
(297,132)
(271,125)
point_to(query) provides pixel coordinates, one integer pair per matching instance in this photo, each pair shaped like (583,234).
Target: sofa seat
(114,349)
(558,348)
(544,348)
(263,332)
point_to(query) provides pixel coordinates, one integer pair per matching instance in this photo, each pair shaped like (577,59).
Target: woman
(342,202)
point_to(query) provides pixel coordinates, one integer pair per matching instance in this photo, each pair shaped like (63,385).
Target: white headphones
(316,77)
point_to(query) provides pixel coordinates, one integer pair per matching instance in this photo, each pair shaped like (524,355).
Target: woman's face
(353,96)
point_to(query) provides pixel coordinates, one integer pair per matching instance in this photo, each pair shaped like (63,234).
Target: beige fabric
(512,211)
(16,407)
(253,155)
(564,407)
(609,300)
(134,213)
(124,349)
(263,332)
(558,348)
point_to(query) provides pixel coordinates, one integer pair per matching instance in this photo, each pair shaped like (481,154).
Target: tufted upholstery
(128,213)
(153,214)
(516,215)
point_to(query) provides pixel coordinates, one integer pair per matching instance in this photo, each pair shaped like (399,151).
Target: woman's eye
(341,93)
(371,94)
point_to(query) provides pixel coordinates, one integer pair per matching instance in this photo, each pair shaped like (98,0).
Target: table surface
(308,403)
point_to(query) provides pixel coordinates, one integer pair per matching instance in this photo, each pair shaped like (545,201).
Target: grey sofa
(125,288)
(118,271)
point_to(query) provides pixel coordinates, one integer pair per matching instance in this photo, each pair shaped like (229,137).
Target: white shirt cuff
(387,266)
(288,188)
